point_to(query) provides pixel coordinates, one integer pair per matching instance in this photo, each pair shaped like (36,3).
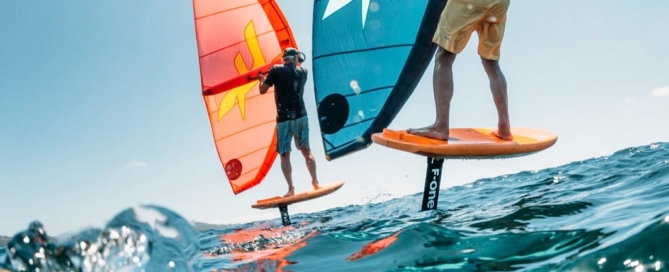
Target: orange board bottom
(276,201)
(469,143)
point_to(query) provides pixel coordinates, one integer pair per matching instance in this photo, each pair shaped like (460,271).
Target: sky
(101,108)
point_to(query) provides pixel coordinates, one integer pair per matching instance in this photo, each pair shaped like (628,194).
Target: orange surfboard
(469,143)
(277,201)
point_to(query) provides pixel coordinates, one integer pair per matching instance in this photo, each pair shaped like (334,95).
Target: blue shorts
(286,130)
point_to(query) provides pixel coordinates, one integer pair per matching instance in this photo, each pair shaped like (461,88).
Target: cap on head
(290,52)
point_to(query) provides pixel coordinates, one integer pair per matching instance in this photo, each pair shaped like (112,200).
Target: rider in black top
(288,80)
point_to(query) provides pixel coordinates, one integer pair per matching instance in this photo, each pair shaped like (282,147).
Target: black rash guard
(288,81)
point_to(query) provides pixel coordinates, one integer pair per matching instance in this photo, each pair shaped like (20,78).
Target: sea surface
(608,213)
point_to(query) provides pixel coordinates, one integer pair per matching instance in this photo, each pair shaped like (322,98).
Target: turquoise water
(602,214)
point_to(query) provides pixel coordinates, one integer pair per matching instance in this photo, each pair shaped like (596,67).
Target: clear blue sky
(100,108)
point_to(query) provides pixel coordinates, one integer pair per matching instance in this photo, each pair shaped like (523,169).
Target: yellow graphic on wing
(239,93)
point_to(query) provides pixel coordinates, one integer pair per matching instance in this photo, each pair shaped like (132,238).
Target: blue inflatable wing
(368,56)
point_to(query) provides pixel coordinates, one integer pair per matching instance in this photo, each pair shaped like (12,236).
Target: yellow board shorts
(462,17)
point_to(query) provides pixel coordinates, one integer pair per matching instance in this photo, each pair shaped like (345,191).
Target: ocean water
(602,214)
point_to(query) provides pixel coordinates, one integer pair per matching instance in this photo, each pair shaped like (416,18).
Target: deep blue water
(602,214)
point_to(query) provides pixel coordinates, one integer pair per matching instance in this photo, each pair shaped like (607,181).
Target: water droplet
(361,114)
(354,85)
(374,24)
(171,264)
(470,6)
(26,239)
(601,261)
(374,6)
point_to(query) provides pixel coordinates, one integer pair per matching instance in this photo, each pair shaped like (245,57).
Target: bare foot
(315,184)
(432,131)
(506,136)
(291,191)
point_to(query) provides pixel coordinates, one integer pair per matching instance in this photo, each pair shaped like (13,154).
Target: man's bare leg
(442,81)
(287,170)
(311,165)
(498,89)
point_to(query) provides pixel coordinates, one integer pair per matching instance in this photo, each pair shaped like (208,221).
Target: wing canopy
(236,40)
(368,58)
